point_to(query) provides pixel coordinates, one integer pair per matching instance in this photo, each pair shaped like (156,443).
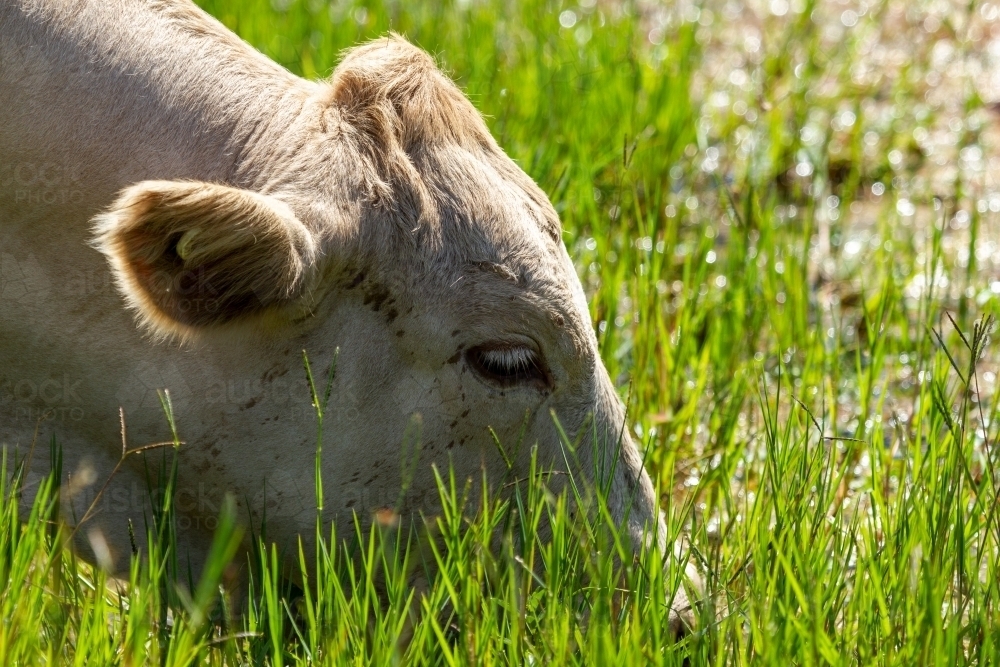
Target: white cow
(244,215)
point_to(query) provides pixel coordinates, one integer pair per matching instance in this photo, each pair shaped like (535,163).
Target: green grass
(819,408)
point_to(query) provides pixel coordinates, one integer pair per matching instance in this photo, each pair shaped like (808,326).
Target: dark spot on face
(400,333)
(350,504)
(455,332)
(269,375)
(451,444)
(392,314)
(455,357)
(216,451)
(377,298)
(466,413)
(358,279)
(454,424)
(249,404)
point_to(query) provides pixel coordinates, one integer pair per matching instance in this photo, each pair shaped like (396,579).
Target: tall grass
(794,302)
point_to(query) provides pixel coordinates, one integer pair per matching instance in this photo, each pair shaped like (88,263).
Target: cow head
(389,224)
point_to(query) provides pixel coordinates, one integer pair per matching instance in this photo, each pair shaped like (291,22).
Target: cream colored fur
(243,215)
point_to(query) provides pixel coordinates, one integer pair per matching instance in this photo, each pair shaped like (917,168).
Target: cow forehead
(458,215)
(481,244)
(429,164)
(485,205)
(499,249)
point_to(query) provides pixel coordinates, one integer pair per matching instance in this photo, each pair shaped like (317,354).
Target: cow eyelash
(508,365)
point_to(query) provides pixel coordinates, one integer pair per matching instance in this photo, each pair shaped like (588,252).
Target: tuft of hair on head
(402,84)
(192,256)
(395,102)
(394,91)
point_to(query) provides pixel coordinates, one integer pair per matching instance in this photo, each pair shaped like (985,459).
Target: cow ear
(191,255)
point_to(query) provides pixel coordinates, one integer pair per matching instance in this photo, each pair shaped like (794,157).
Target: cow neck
(138,91)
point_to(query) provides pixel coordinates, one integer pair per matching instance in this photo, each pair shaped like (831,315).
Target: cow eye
(508,365)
